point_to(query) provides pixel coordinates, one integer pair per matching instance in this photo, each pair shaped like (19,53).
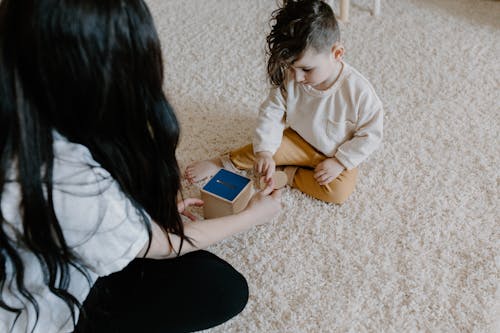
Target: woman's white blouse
(99,224)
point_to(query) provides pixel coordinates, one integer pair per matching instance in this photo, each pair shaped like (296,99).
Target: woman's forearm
(202,233)
(263,206)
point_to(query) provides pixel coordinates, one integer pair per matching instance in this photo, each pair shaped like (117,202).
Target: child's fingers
(269,173)
(318,174)
(325,180)
(321,177)
(260,166)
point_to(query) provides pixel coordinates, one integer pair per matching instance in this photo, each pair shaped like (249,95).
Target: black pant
(190,293)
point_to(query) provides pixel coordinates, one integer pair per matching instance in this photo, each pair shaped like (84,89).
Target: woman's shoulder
(76,177)
(70,151)
(74,160)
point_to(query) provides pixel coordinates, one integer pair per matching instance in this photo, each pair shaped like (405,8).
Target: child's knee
(341,188)
(335,194)
(336,198)
(243,157)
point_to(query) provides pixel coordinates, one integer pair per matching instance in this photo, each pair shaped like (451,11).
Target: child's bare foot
(202,170)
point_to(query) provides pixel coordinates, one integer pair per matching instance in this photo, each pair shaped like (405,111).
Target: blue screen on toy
(226,184)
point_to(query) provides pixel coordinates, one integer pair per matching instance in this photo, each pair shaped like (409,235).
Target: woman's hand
(265,204)
(264,164)
(184,204)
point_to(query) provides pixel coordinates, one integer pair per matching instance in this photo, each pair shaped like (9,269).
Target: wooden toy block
(280,180)
(225,194)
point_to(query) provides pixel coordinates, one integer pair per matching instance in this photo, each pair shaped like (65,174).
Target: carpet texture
(416,248)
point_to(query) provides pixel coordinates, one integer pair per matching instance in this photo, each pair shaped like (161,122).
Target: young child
(322,118)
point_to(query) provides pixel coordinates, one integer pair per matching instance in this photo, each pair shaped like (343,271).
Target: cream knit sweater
(344,121)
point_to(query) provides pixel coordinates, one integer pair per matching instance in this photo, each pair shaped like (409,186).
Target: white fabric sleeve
(368,134)
(99,222)
(270,123)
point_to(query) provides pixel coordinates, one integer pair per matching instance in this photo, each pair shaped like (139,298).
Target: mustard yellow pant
(295,151)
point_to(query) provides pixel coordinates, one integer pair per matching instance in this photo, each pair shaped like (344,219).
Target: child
(89,181)
(333,115)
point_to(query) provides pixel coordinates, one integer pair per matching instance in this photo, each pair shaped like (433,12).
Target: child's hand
(327,171)
(264,164)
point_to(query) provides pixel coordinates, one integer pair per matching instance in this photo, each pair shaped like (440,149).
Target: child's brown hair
(298,25)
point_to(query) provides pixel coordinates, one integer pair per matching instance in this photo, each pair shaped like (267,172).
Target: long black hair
(295,26)
(91,70)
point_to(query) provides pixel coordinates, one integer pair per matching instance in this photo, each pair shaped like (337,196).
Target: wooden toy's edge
(250,184)
(277,174)
(214,212)
(218,196)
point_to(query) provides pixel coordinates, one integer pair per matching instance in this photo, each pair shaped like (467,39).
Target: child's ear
(338,51)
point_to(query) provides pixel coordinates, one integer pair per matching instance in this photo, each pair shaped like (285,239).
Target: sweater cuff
(345,161)
(259,148)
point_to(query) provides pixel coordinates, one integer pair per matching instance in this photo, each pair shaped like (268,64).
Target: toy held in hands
(280,180)
(225,194)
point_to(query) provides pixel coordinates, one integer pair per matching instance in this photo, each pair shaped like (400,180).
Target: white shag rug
(416,248)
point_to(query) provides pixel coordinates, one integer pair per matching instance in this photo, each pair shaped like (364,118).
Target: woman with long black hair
(89,181)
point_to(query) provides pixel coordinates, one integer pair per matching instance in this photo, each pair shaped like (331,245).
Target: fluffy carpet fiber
(416,247)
